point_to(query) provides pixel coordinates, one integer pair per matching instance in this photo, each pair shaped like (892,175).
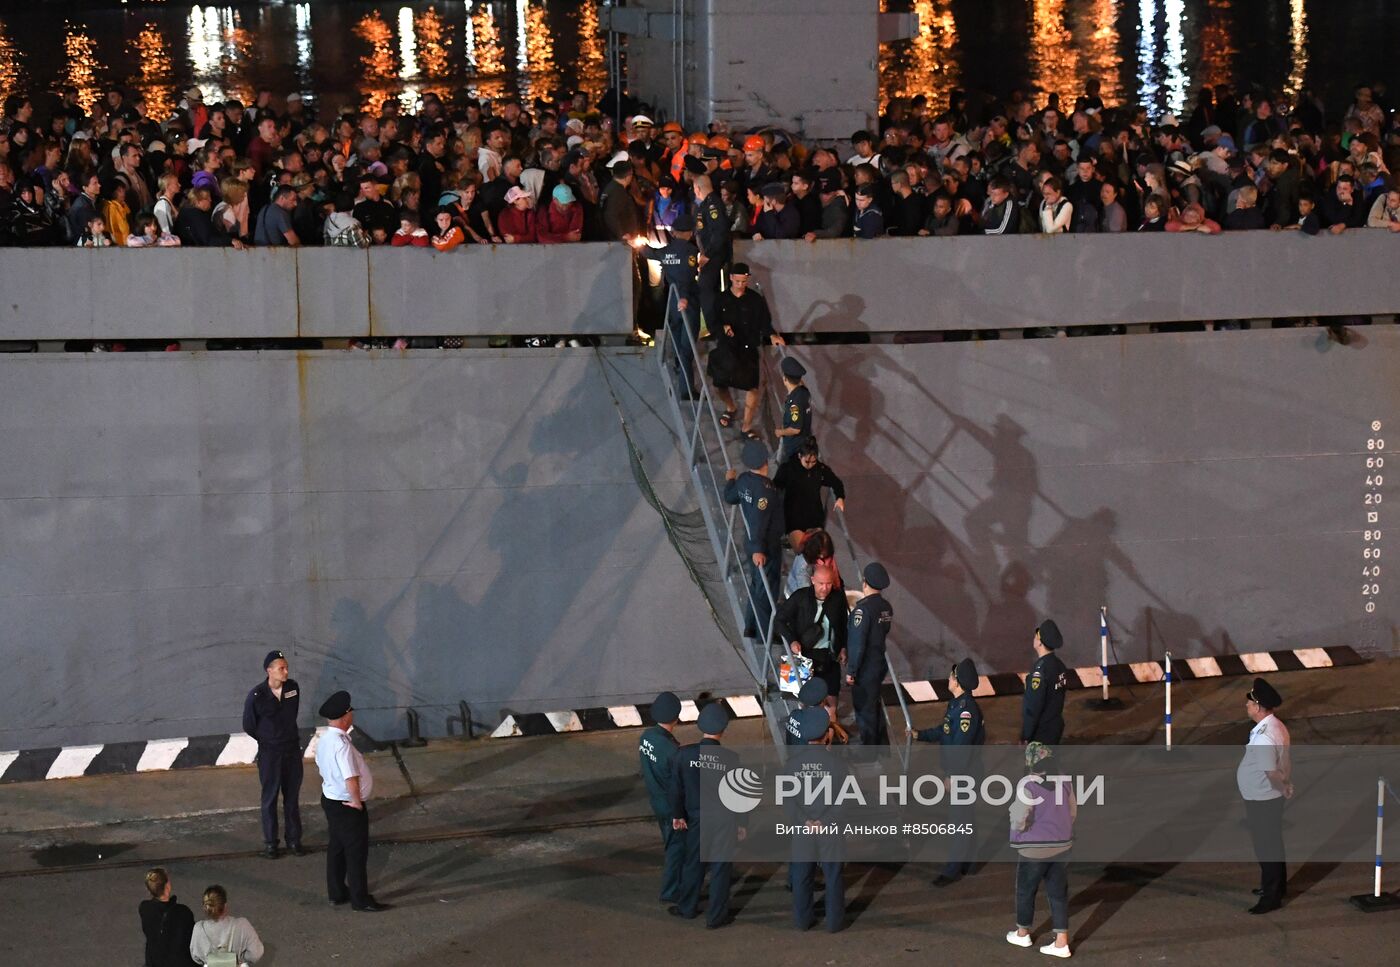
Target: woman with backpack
(1042,832)
(223,940)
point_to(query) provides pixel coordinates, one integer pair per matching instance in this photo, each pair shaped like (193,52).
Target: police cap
(792,369)
(812,723)
(1050,635)
(714,719)
(814,692)
(666,708)
(965,672)
(335,706)
(1265,694)
(755,455)
(876,576)
(694,165)
(272,656)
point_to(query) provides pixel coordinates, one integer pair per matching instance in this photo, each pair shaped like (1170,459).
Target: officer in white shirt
(346,785)
(1263,777)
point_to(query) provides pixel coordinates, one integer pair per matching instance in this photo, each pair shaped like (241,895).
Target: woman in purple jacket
(1042,832)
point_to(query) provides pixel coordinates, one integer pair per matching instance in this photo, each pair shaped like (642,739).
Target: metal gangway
(708,460)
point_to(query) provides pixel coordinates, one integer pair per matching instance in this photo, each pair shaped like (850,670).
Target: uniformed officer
(812,695)
(796,426)
(716,248)
(866,629)
(346,787)
(270,717)
(762,507)
(1043,704)
(816,848)
(679,259)
(655,751)
(1264,778)
(691,764)
(961,732)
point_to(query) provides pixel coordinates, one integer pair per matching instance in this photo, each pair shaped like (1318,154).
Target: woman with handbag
(223,940)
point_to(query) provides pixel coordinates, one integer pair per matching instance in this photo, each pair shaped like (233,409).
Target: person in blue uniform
(1043,704)
(270,717)
(866,629)
(692,764)
(712,236)
(960,734)
(679,259)
(815,763)
(811,695)
(762,509)
(655,751)
(796,426)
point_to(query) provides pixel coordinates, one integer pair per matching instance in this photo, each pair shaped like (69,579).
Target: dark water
(351,53)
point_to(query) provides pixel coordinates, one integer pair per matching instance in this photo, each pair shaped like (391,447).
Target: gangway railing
(707,458)
(903,747)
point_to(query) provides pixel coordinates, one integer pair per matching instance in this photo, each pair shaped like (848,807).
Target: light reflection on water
(1153,51)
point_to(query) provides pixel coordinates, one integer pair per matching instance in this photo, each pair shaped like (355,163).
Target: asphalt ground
(542,851)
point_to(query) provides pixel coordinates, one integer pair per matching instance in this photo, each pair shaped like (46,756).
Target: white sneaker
(1051,950)
(1014,938)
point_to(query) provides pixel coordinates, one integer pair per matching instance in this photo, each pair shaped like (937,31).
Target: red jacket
(520,225)
(557,221)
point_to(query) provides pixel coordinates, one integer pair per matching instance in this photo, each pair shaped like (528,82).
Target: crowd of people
(468,171)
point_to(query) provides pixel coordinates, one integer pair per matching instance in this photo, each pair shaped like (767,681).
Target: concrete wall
(1211,490)
(325,292)
(417,528)
(1027,281)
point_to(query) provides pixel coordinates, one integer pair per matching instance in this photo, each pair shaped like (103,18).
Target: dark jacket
(906,215)
(803,508)
(763,517)
(168,928)
(786,223)
(655,752)
(270,720)
(195,227)
(621,216)
(867,629)
(690,763)
(799,613)
(836,218)
(1043,704)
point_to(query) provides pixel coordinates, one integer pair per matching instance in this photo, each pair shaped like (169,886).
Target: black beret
(335,706)
(965,672)
(876,576)
(754,455)
(812,723)
(1265,694)
(714,719)
(666,708)
(1050,634)
(273,656)
(814,692)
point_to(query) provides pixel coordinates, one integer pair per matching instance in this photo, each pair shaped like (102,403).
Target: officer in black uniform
(960,734)
(1043,704)
(656,751)
(716,248)
(866,629)
(815,763)
(811,695)
(762,507)
(691,764)
(270,717)
(679,259)
(796,426)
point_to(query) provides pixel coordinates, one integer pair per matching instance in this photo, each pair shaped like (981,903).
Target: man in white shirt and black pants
(346,785)
(1263,777)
